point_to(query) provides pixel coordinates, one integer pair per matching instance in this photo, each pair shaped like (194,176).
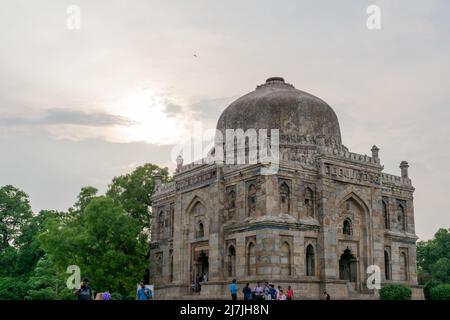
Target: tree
(84,197)
(47,283)
(15,212)
(13,288)
(433,259)
(28,247)
(103,241)
(134,190)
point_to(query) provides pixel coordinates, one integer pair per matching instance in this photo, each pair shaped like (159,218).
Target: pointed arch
(200,230)
(385,210)
(231,199)
(310,261)
(309,201)
(172,222)
(195,201)
(347,227)
(356,198)
(348,266)
(401,218)
(231,261)
(285,198)
(251,258)
(285,259)
(387,265)
(251,199)
(161,220)
(171,266)
(403,266)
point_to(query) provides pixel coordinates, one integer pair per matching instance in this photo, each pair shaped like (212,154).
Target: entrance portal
(202,264)
(348,266)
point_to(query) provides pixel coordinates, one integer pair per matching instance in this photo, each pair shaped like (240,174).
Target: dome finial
(275,80)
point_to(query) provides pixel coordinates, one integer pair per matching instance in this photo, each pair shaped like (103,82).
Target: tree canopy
(106,236)
(103,241)
(134,190)
(433,260)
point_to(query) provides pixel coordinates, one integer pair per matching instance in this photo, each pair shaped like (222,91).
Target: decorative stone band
(347,155)
(165,188)
(348,174)
(395,180)
(270,222)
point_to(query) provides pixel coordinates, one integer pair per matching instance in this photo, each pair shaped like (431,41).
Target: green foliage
(433,259)
(395,292)
(47,283)
(15,212)
(429,284)
(105,236)
(440,270)
(8,262)
(134,190)
(84,197)
(440,292)
(13,288)
(104,242)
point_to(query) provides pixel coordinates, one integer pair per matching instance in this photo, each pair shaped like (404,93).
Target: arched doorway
(285,260)
(231,265)
(387,266)
(202,264)
(310,263)
(348,266)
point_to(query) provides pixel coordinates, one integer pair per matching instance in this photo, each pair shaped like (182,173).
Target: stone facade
(316,225)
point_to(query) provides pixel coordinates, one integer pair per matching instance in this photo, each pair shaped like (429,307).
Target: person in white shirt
(259,291)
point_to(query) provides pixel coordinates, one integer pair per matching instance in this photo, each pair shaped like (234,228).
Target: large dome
(278,105)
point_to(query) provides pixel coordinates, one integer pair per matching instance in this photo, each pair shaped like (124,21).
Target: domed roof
(278,105)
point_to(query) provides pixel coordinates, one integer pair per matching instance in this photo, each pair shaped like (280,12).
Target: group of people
(196,284)
(268,292)
(85,292)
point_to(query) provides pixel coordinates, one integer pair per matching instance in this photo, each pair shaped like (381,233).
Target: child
(281,295)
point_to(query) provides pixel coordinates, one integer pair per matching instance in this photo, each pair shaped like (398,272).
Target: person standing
(278,292)
(233,289)
(259,291)
(290,293)
(247,292)
(327,296)
(281,295)
(85,291)
(267,295)
(143,293)
(273,292)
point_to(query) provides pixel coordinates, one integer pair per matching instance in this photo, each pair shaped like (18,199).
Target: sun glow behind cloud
(151,121)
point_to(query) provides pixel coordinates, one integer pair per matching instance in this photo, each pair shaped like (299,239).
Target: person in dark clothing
(327,296)
(247,291)
(85,291)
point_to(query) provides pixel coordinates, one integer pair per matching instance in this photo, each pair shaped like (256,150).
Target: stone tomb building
(317,224)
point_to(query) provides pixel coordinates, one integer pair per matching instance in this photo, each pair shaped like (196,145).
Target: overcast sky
(78,107)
